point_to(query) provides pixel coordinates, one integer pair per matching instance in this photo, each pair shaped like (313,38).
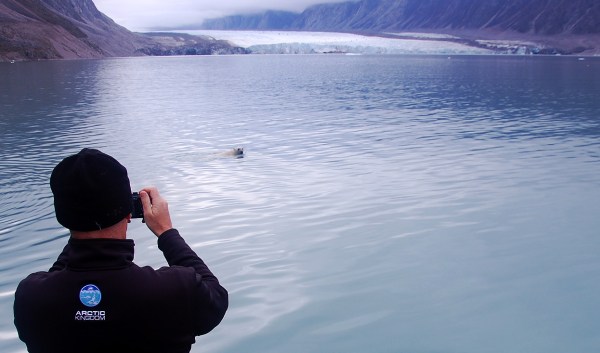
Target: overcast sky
(147,15)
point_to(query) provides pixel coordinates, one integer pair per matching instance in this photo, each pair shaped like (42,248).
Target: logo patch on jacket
(90,295)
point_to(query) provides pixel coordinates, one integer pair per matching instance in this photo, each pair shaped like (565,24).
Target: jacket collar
(100,254)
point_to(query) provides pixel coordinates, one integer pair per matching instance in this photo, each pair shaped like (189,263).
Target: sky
(148,15)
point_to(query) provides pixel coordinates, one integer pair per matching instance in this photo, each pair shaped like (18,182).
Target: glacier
(294,42)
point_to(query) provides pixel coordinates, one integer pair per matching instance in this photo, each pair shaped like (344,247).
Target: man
(94,298)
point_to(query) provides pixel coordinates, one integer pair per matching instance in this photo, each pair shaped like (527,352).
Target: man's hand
(156,211)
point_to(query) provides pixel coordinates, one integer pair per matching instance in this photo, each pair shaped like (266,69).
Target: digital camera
(137,210)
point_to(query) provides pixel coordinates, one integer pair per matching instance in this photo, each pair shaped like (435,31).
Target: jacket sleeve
(212,298)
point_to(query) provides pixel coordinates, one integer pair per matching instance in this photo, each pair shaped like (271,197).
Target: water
(385,203)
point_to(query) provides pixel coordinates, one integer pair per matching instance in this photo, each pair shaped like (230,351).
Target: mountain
(538,17)
(71,29)
(55,29)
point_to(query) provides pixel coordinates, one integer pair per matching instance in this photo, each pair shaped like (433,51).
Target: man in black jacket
(94,298)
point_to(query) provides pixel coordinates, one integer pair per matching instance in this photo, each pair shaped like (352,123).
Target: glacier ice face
(289,42)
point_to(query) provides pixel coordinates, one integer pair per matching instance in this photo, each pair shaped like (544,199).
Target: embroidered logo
(90,295)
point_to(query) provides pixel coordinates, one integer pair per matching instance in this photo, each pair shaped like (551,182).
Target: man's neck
(117,231)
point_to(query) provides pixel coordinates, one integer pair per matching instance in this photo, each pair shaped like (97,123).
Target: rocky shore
(75,29)
(511,42)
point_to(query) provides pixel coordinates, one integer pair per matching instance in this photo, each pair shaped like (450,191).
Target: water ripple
(380,199)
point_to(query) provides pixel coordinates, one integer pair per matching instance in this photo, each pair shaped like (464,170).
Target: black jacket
(95,299)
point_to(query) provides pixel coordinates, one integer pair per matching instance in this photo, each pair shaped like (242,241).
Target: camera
(137,210)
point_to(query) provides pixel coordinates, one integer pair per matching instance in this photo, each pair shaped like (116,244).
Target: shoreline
(416,42)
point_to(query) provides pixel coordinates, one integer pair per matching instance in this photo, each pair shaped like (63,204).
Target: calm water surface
(385,204)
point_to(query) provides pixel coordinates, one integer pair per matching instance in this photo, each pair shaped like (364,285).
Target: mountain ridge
(539,17)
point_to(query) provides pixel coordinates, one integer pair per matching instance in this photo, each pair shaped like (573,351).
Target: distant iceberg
(289,42)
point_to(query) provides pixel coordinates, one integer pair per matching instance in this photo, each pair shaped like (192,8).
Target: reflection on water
(385,204)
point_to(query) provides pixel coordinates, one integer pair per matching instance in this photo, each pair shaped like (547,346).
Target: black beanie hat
(91,191)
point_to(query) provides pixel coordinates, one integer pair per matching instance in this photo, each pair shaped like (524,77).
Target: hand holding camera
(154,209)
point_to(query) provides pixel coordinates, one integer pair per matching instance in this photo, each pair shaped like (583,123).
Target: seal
(234,152)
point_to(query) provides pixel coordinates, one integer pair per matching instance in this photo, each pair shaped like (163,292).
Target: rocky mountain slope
(542,17)
(71,29)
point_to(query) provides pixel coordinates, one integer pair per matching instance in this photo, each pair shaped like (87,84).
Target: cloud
(147,15)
